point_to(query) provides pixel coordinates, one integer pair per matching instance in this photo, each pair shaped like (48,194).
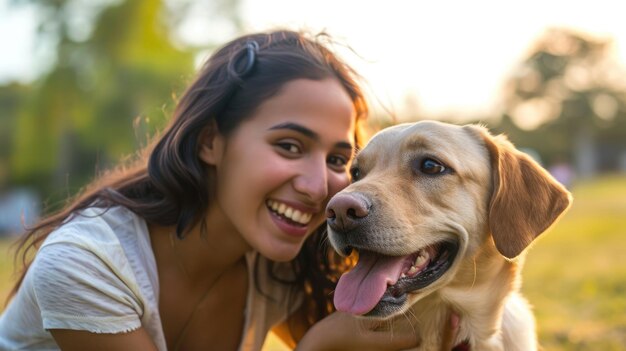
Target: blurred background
(85,83)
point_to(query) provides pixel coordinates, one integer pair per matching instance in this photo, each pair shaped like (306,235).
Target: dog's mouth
(379,284)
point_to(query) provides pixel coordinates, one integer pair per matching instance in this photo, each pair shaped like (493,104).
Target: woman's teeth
(289,212)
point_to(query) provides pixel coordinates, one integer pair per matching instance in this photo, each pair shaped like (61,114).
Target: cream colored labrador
(441,216)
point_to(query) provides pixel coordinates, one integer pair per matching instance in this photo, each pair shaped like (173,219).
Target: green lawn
(575,274)
(6,271)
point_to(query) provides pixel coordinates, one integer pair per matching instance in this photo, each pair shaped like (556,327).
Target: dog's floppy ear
(525,199)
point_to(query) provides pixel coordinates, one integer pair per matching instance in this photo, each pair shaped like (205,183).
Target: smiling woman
(299,144)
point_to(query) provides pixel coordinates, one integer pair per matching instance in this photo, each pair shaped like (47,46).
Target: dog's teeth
(412,270)
(402,275)
(421,258)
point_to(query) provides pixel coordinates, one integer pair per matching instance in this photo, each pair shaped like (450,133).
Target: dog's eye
(355,173)
(432,167)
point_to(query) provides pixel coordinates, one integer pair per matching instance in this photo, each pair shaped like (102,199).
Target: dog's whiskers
(408,314)
(411,313)
(323,243)
(475,273)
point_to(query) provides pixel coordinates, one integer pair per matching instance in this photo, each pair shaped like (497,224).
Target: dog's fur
(493,200)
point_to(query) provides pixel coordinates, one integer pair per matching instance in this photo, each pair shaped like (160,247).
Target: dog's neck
(478,294)
(487,267)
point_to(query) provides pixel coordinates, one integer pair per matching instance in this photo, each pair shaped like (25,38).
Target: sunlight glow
(439,58)
(446,57)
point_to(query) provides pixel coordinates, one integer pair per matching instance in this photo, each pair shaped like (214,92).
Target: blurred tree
(572,93)
(10,102)
(117,69)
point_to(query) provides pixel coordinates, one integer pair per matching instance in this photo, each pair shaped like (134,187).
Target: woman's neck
(202,275)
(203,254)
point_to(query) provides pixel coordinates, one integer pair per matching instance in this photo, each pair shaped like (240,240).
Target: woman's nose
(312,180)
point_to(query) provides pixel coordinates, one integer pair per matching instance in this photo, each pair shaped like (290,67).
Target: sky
(16,42)
(438,57)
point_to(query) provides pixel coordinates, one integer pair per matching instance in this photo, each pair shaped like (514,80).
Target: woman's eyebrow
(344,145)
(308,133)
(297,128)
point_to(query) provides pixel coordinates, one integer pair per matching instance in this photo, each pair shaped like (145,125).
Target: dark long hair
(168,185)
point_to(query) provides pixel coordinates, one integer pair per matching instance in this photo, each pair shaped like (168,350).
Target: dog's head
(426,195)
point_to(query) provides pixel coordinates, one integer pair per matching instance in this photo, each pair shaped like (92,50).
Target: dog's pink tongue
(359,290)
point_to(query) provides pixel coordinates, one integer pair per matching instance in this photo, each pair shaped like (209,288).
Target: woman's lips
(293,214)
(292,221)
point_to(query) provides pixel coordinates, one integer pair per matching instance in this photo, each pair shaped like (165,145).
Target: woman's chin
(280,252)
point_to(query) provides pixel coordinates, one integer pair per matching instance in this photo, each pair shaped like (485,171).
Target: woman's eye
(432,167)
(289,147)
(355,173)
(338,162)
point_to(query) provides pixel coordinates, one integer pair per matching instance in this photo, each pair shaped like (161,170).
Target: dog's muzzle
(346,214)
(378,285)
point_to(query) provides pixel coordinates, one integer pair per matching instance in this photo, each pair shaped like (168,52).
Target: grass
(575,274)
(6,271)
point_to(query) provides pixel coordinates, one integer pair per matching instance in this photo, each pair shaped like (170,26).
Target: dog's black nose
(344,212)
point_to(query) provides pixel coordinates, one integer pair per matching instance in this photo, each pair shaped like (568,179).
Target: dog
(441,216)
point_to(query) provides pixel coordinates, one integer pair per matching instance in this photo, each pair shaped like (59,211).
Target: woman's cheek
(338,183)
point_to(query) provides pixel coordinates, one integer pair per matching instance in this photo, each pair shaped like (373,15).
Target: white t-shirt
(98,273)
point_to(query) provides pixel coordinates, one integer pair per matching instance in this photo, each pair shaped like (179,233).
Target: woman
(213,237)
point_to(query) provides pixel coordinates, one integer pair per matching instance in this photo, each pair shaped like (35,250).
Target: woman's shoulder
(115,237)
(97,228)
(102,246)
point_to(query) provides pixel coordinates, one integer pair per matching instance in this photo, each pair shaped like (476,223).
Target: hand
(343,331)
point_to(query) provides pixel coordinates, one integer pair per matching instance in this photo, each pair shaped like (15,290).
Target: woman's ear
(211,145)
